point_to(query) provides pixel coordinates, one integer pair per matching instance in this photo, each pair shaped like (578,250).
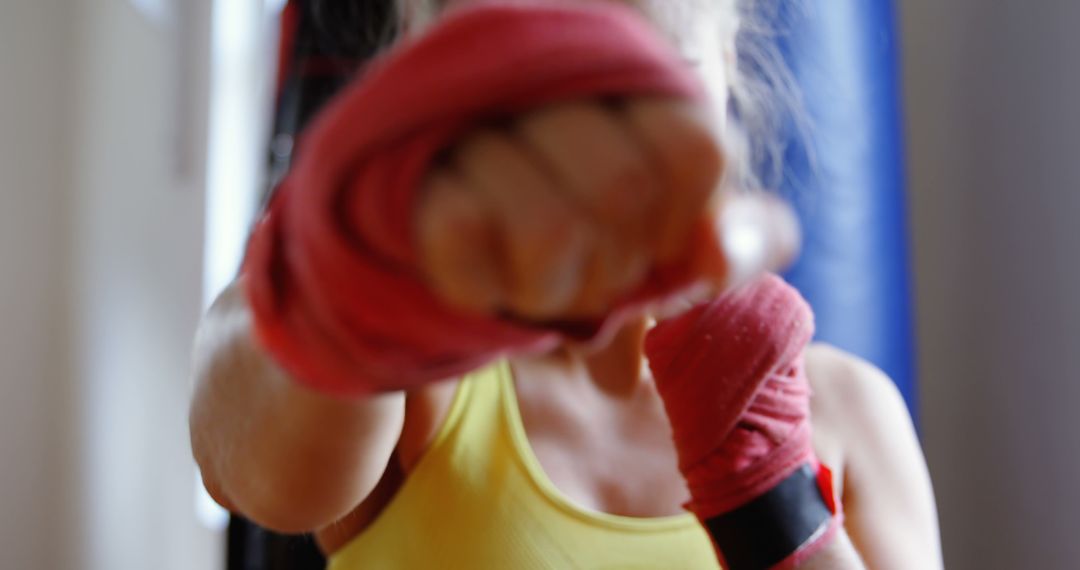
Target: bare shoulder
(850,390)
(426,409)
(863,428)
(859,416)
(852,400)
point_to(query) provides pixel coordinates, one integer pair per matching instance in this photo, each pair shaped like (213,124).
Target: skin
(298,461)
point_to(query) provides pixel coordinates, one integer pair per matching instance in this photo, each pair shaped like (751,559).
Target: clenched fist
(561,212)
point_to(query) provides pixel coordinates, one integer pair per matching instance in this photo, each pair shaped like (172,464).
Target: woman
(564,459)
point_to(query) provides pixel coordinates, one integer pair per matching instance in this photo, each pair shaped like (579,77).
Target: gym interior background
(124,122)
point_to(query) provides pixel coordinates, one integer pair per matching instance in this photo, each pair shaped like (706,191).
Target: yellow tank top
(478,499)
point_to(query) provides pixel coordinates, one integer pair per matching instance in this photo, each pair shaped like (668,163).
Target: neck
(616,368)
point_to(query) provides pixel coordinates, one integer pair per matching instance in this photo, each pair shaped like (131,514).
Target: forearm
(285,456)
(889,507)
(839,554)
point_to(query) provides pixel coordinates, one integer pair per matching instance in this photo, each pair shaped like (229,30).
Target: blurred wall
(992,95)
(34,47)
(101,233)
(136,288)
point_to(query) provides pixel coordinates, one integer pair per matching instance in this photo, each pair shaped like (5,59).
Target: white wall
(992,93)
(136,295)
(101,240)
(33,87)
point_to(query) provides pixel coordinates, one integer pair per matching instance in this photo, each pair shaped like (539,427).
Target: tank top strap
(475,424)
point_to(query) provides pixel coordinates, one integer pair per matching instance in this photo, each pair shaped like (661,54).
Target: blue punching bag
(845,176)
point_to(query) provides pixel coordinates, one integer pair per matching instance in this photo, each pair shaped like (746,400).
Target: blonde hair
(764,103)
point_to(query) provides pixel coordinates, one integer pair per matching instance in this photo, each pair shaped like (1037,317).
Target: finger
(611,273)
(545,239)
(599,163)
(706,265)
(691,162)
(596,159)
(459,245)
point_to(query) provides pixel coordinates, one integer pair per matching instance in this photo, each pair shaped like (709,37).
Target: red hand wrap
(331,269)
(731,375)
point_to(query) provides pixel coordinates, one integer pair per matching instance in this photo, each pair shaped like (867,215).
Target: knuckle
(479,148)
(684,138)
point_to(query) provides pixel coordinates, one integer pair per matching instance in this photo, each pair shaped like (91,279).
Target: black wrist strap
(765,531)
